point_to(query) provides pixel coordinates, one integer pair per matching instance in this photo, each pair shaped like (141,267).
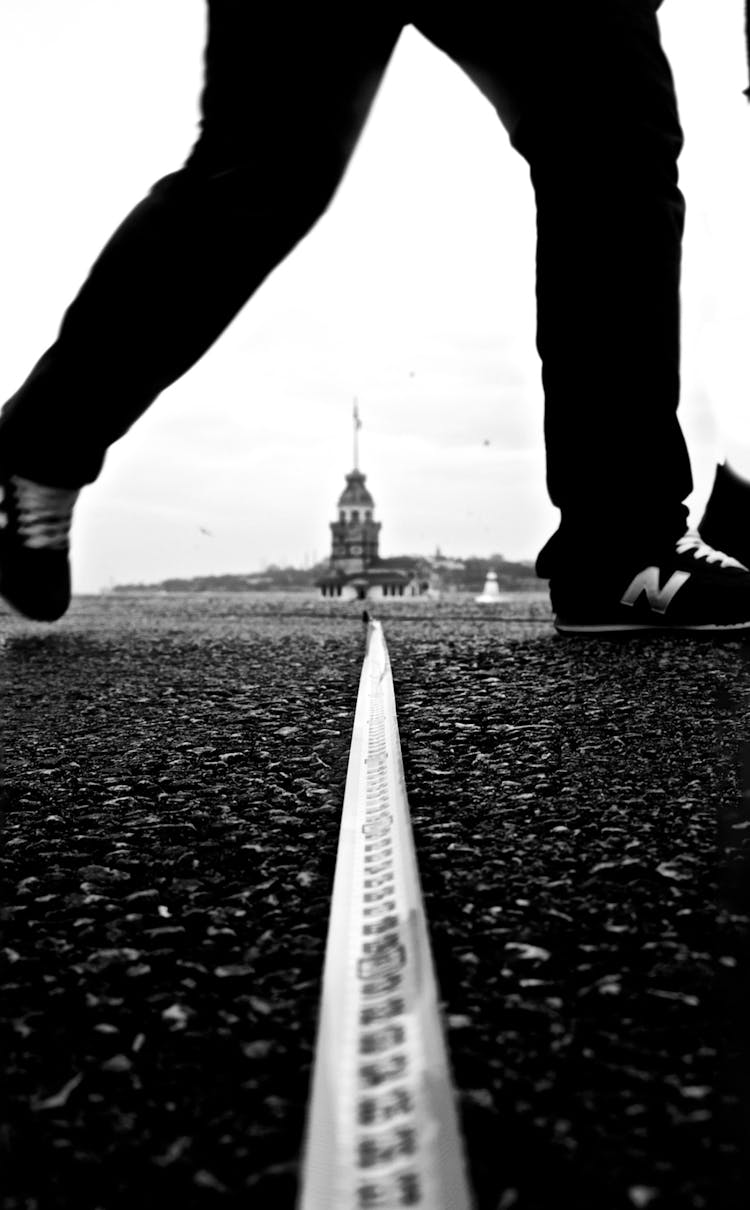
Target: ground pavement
(171,784)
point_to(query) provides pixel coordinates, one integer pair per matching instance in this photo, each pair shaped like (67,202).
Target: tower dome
(355,494)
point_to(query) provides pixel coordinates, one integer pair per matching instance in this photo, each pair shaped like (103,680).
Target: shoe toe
(36,583)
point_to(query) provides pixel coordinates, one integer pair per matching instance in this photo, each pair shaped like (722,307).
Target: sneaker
(34,543)
(726,521)
(693,589)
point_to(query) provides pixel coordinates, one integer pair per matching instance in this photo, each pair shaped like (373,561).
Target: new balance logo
(648,581)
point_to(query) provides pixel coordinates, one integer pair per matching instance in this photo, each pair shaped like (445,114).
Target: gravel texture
(170,792)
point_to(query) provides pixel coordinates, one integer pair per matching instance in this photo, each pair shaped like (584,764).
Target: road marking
(382,1128)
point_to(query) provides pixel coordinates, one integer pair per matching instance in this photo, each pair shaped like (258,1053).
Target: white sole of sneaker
(651,628)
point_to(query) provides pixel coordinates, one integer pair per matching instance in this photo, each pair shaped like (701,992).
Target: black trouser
(587,97)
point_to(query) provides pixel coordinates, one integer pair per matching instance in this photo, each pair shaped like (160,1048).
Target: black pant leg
(587,95)
(286,95)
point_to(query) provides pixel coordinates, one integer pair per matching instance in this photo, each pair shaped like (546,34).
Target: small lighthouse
(491,591)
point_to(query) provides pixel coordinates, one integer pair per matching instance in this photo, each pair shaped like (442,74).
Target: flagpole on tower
(357,423)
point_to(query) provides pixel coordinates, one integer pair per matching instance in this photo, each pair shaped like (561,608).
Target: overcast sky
(415,293)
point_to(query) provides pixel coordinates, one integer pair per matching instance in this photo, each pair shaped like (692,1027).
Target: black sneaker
(693,589)
(726,521)
(34,536)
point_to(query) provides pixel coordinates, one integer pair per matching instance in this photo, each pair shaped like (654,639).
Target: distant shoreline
(446,576)
(537,587)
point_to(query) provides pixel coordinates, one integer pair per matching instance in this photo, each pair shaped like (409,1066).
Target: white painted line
(382,1128)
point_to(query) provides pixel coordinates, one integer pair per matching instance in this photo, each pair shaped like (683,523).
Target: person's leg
(587,96)
(726,518)
(285,98)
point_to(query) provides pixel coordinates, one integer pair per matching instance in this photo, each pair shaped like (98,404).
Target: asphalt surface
(170,791)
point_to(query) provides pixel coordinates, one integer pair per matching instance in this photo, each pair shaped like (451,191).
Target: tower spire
(357,425)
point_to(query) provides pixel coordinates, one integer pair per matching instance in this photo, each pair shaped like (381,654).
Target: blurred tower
(355,535)
(356,569)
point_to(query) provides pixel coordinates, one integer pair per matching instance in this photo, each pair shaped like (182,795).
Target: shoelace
(43,513)
(692,543)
